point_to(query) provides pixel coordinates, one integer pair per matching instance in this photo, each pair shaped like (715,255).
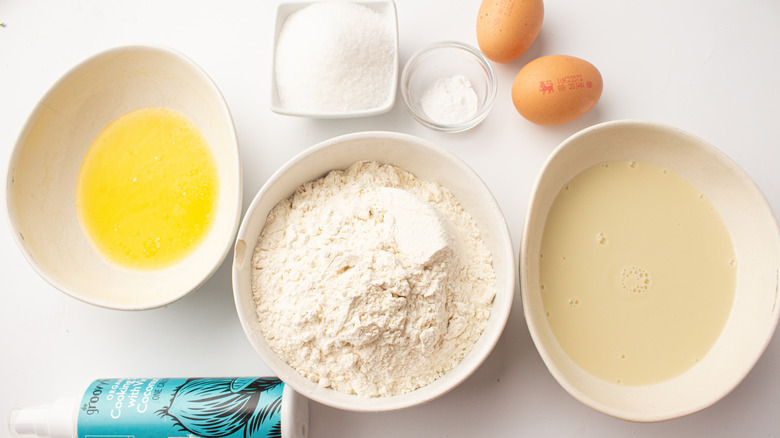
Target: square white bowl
(388,11)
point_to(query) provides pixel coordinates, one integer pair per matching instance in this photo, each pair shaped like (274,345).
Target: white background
(710,67)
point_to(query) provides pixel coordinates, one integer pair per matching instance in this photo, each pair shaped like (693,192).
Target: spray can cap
(53,420)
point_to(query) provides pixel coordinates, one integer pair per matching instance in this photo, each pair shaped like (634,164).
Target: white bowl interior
(427,162)
(754,231)
(388,10)
(45,163)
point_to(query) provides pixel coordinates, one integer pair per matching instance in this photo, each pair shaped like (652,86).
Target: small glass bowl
(443,60)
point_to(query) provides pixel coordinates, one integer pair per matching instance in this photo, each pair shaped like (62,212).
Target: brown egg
(506,28)
(556,89)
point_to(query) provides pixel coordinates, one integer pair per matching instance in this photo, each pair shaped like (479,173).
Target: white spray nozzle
(55,420)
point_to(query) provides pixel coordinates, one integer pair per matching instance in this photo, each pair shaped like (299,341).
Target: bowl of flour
(373,272)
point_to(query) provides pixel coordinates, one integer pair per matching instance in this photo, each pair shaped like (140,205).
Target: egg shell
(507,28)
(556,89)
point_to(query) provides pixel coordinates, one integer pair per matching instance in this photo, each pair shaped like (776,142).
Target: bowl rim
(395,402)
(281,16)
(36,112)
(478,116)
(662,414)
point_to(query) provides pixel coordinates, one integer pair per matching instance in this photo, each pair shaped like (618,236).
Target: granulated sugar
(335,57)
(372,281)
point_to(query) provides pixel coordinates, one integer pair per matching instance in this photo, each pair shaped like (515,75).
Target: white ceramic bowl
(753,228)
(428,162)
(443,60)
(388,13)
(42,173)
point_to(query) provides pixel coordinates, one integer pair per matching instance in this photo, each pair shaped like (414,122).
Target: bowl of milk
(648,269)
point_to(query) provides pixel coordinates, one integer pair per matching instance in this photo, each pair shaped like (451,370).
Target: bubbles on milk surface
(635,280)
(618,304)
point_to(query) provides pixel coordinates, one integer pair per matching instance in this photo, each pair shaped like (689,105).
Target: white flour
(371,281)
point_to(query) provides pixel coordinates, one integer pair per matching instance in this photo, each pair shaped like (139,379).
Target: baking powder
(372,281)
(449,100)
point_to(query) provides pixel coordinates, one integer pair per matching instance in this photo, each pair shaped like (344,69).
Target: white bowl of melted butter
(124,188)
(649,270)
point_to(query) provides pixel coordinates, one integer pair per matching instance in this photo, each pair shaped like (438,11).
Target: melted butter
(147,188)
(637,272)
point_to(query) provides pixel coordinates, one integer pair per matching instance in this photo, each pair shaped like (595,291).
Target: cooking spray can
(246,407)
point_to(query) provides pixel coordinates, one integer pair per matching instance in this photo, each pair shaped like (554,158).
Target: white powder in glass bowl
(450,100)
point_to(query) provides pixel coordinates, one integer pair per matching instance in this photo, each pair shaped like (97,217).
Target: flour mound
(371,281)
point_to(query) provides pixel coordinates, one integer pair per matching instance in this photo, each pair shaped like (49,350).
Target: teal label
(194,408)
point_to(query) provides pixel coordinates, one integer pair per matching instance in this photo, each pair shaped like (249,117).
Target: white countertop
(708,67)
